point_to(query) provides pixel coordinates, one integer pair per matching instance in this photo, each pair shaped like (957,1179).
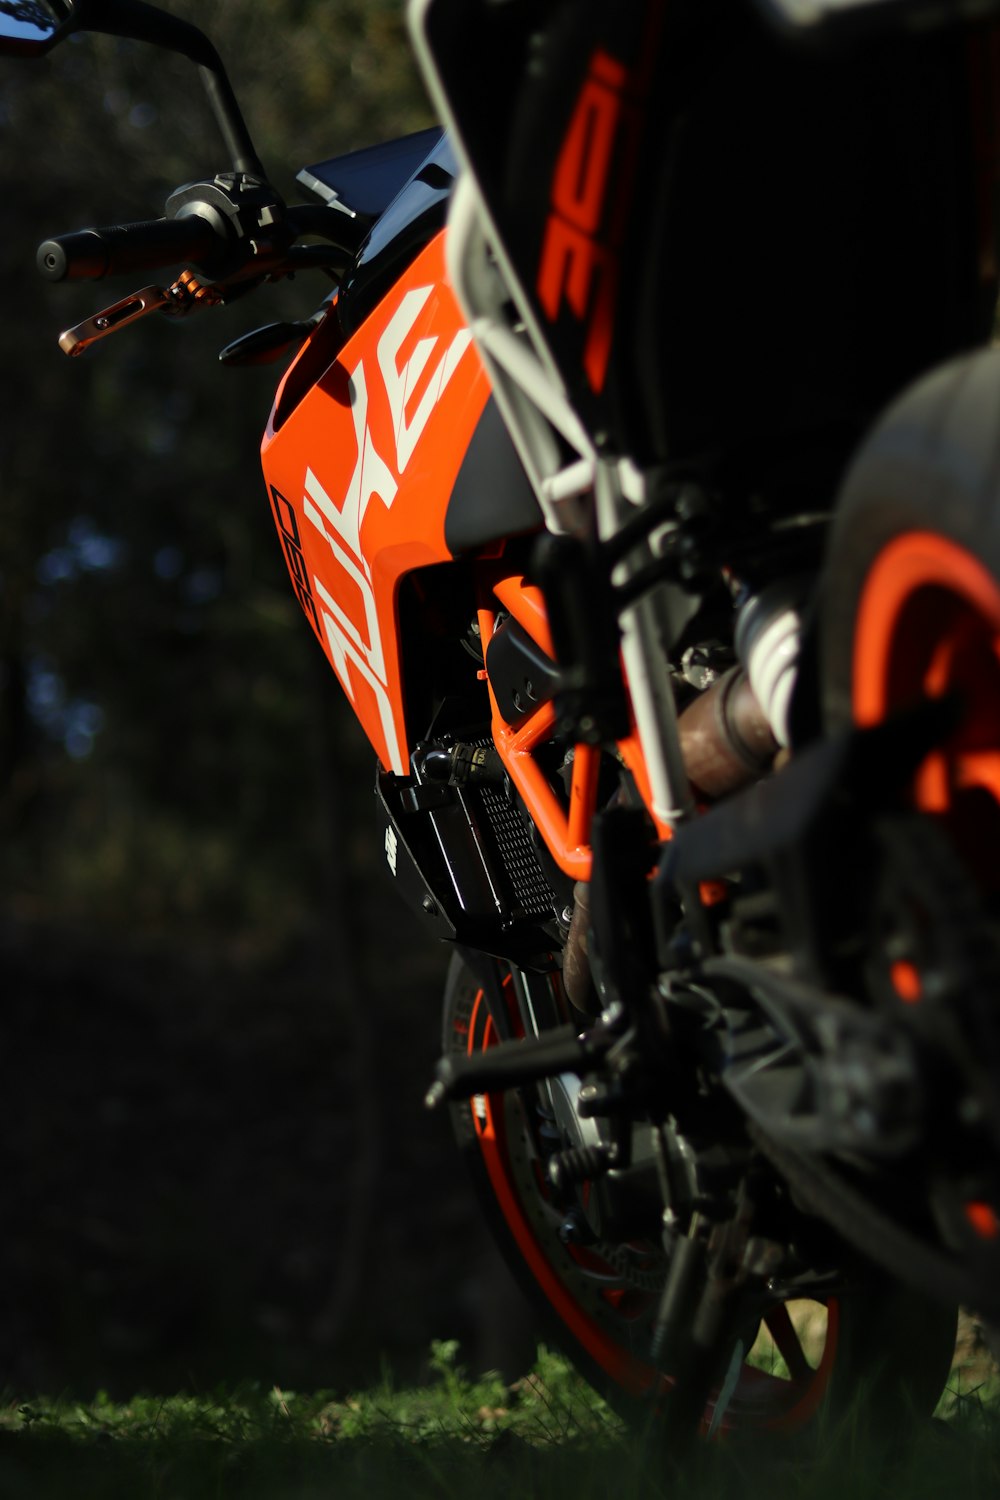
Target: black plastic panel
(521,675)
(467,866)
(408,224)
(492,497)
(632,155)
(366,181)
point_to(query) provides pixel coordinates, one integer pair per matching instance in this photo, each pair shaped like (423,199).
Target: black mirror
(30,27)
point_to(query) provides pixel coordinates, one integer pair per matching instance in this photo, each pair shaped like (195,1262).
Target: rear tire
(911,611)
(930,470)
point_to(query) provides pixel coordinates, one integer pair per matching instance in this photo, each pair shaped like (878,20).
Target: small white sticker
(390,848)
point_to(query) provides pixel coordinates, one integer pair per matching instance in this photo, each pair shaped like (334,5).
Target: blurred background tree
(154,668)
(214,1161)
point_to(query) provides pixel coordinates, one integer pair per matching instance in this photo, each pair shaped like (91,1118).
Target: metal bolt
(703,663)
(573,1229)
(429,906)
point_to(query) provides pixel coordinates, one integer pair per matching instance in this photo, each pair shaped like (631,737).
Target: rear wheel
(598,1300)
(912,597)
(911,600)
(911,611)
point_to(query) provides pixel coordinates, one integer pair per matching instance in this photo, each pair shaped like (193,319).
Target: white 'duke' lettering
(358,645)
(400,383)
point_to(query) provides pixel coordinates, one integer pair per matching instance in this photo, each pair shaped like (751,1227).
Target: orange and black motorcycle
(640,480)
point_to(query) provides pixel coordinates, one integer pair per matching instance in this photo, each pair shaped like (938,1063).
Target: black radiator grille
(532,894)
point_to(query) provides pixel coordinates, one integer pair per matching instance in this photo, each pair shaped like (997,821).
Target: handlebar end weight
(86,257)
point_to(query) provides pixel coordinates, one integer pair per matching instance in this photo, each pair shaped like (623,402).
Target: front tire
(598,1302)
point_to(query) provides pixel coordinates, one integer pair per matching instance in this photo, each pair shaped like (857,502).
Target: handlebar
(89,254)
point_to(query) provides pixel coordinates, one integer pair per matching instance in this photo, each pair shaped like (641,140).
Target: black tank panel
(492,497)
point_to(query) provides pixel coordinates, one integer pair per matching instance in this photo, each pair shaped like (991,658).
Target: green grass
(546,1437)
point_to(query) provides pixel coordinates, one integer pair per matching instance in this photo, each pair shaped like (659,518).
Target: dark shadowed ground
(213,1173)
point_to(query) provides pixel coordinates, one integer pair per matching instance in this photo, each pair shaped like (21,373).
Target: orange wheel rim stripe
(627,1372)
(913,561)
(928,626)
(634,1376)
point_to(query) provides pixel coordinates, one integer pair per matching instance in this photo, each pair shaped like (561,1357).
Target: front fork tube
(645,645)
(537,1002)
(647,677)
(647,673)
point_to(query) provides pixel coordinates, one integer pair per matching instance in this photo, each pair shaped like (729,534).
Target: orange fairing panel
(360,475)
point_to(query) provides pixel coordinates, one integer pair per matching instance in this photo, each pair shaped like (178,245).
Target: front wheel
(598,1300)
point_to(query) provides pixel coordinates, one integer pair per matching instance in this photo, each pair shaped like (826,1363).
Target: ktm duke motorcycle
(641,482)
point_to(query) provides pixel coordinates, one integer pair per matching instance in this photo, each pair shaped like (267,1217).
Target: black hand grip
(89,254)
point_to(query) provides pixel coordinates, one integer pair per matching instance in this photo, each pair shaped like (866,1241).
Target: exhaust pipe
(726,740)
(729,737)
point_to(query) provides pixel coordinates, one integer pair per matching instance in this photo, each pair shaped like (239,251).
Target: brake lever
(149,299)
(185,294)
(189,292)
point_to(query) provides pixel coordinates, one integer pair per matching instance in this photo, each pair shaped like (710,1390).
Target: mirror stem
(147,23)
(231,123)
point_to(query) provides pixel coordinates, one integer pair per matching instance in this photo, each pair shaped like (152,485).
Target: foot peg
(510,1064)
